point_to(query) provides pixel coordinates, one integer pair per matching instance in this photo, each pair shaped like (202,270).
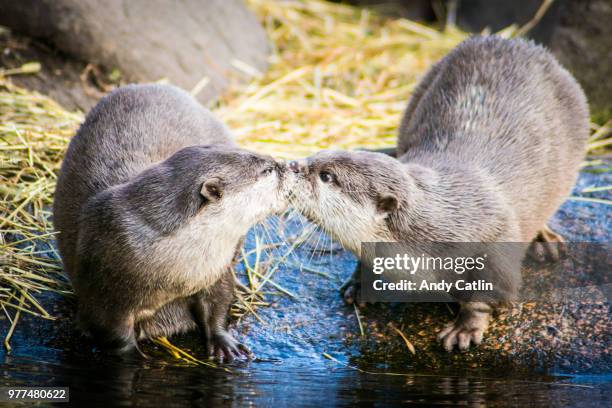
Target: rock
(59,77)
(476,15)
(147,40)
(417,10)
(578,33)
(582,41)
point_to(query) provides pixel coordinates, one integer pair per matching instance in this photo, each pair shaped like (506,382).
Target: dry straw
(34,132)
(339,78)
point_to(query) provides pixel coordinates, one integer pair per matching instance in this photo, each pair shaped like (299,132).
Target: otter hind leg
(547,246)
(210,309)
(469,326)
(117,338)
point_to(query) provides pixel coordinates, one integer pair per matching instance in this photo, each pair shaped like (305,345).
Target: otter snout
(294,166)
(280,164)
(297,166)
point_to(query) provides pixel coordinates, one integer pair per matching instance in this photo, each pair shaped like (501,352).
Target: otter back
(509,109)
(127,131)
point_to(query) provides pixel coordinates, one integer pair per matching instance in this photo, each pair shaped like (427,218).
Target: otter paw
(548,246)
(467,329)
(225,348)
(351,293)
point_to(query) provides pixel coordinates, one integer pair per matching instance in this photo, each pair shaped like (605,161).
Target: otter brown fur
(152,201)
(488,149)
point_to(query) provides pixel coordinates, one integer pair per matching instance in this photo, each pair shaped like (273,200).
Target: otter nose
(294,166)
(280,164)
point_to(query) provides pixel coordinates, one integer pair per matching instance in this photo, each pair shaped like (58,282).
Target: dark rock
(579,33)
(582,41)
(477,15)
(59,76)
(147,40)
(417,10)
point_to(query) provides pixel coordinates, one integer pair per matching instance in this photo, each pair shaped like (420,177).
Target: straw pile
(339,77)
(34,132)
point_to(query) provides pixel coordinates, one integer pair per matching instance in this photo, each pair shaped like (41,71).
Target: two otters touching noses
(154,197)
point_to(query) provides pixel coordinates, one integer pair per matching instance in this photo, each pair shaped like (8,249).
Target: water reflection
(161,383)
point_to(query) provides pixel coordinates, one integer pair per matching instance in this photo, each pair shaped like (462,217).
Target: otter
(488,148)
(152,202)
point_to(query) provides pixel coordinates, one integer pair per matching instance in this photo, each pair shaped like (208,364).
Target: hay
(34,133)
(339,77)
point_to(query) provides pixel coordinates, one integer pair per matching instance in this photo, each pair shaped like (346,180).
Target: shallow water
(289,384)
(291,343)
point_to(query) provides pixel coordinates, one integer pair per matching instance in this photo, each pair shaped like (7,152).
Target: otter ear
(387,204)
(212,189)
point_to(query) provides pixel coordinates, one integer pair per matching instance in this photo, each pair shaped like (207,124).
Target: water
(287,383)
(292,341)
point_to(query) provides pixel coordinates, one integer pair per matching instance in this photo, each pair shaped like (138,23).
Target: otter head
(219,187)
(354,196)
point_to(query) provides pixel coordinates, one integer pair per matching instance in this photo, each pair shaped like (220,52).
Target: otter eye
(325,176)
(267,171)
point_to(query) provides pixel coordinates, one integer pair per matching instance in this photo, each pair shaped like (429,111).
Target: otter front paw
(468,328)
(350,292)
(351,289)
(224,348)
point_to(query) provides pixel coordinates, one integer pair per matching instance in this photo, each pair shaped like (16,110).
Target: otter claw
(467,329)
(226,349)
(463,337)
